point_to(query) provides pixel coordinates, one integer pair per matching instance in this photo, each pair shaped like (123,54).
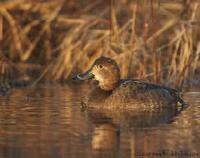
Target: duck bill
(85,76)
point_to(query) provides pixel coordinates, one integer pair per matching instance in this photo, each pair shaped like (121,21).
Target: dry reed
(53,40)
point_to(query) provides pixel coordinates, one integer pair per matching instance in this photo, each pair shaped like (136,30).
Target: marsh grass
(53,40)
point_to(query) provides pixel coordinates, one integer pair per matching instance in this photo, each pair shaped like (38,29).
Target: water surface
(48,122)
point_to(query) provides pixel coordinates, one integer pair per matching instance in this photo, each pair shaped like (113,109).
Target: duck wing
(143,87)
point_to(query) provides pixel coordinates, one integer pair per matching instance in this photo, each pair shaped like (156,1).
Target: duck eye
(100,66)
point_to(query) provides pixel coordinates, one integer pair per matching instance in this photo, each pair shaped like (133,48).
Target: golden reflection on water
(104,137)
(48,122)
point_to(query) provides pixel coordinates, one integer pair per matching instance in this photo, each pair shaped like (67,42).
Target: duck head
(105,71)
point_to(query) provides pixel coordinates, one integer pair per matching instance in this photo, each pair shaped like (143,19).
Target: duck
(112,92)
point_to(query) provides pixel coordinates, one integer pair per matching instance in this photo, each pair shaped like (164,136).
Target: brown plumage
(128,94)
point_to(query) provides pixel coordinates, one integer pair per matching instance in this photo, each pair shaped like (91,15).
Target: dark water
(48,122)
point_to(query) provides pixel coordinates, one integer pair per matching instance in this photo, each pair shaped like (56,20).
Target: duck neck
(108,86)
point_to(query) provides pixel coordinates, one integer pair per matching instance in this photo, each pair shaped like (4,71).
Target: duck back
(135,95)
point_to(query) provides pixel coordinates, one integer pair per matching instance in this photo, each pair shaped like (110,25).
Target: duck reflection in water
(105,138)
(106,133)
(132,95)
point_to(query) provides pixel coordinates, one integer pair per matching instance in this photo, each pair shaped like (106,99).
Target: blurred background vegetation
(51,40)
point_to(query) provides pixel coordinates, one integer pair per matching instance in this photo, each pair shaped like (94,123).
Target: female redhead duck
(128,94)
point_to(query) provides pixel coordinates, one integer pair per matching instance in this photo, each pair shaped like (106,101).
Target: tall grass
(53,40)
